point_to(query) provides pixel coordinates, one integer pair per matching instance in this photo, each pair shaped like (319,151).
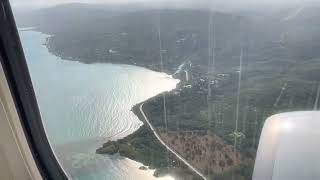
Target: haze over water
(84,105)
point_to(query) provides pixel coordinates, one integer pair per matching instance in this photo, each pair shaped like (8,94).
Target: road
(171,150)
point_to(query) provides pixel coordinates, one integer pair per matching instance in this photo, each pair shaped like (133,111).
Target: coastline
(157,172)
(97,61)
(172,166)
(178,170)
(46,44)
(175,167)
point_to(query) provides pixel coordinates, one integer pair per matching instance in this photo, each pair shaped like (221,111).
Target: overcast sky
(41,3)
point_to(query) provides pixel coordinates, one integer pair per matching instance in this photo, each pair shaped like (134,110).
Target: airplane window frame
(17,74)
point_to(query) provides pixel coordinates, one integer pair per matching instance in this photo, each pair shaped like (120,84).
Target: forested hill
(124,34)
(129,34)
(96,34)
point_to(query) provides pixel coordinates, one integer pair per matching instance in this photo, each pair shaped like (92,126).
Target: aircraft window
(167,90)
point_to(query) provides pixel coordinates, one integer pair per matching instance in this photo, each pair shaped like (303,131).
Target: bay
(84,105)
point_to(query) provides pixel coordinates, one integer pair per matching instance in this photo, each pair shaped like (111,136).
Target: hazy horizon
(226,4)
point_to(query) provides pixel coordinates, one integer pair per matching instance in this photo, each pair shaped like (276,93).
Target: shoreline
(149,168)
(83,61)
(158,172)
(181,171)
(46,44)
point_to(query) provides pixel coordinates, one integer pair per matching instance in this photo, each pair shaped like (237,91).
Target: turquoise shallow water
(84,105)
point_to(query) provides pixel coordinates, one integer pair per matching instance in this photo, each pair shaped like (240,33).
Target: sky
(191,3)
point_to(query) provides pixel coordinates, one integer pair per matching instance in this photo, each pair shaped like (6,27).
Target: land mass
(236,69)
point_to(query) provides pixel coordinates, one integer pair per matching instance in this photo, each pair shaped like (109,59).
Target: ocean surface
(84,105)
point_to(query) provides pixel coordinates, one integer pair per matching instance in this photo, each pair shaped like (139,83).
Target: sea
(84,105)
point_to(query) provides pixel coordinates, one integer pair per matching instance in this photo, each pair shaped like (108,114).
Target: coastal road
(171,150)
